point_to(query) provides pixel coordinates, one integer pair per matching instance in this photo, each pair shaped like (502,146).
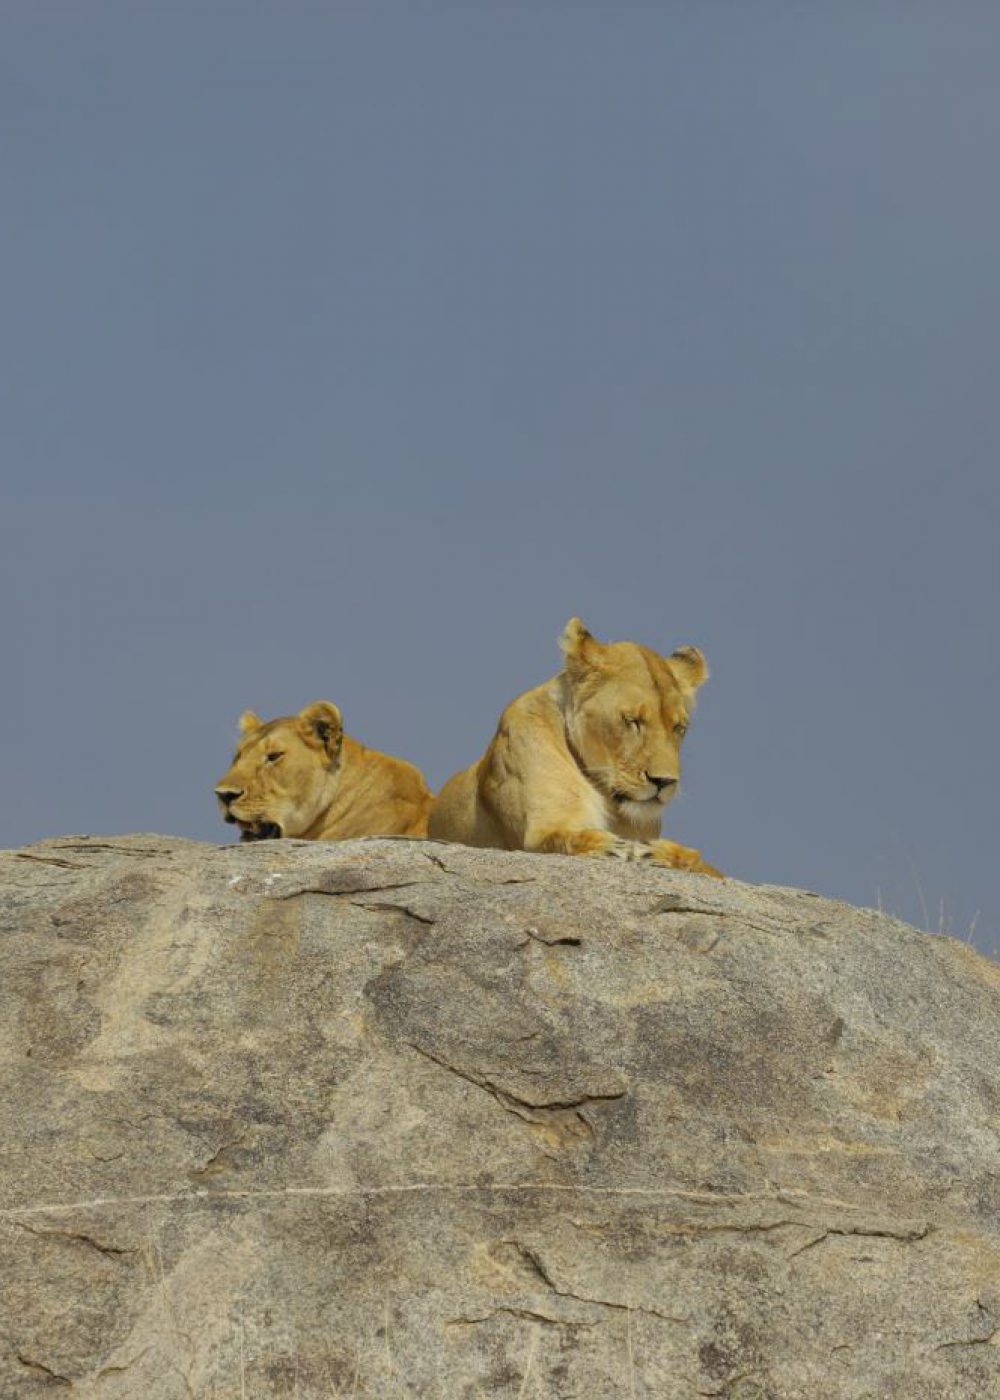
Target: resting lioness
(301,775)
(586,763)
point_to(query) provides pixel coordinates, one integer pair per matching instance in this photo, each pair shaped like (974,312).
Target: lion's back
(384,795)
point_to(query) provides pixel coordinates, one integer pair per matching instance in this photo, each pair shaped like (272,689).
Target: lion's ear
(249,719)
(323,721)
(690,670)
(579,646)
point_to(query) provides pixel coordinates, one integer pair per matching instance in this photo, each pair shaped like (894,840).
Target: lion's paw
(678,857)
(621,849)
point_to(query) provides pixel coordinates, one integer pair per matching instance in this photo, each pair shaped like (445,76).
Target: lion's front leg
(592,841)
(587,841)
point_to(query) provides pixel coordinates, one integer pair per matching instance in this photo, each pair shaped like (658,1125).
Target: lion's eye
(680,730)
(273,757)
(634,722)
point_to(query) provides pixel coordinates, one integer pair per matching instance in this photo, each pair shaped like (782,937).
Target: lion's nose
(660,783)
(227,796)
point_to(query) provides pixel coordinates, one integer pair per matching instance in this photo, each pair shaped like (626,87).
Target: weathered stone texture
(393,1119)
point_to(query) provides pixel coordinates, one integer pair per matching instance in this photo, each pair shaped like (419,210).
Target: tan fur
(302,776)
(569,767)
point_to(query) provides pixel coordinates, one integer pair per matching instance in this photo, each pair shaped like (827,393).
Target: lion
(302,776)
(586,763)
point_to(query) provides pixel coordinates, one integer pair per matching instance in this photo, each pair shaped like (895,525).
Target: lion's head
(627,710)
(284,773)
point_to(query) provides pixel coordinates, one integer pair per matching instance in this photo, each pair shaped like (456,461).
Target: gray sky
(349,349)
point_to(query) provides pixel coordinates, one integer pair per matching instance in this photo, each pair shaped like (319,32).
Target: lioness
(301,775)
(586,763)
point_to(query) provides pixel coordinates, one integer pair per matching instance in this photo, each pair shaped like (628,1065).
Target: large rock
(399,1119)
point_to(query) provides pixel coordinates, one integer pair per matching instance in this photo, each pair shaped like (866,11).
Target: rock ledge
(402,1119)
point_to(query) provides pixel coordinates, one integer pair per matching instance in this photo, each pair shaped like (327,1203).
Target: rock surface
(398,1119)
